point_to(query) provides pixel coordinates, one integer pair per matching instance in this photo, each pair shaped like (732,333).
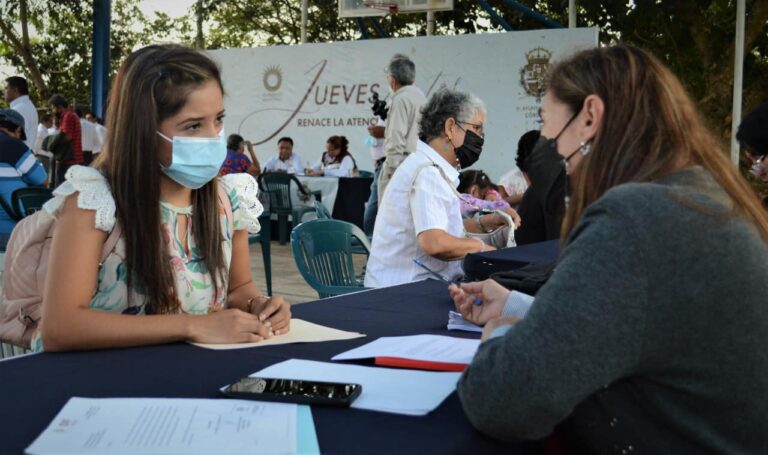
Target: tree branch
(26,56)
(756,19)
(24,28)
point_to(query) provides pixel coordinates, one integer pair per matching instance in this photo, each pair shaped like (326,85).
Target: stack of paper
(177,426)
(301,332)
(384,389)
(426,352)
(457,322)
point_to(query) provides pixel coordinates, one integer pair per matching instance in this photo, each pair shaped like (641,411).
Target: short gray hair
(445,104)
(402,69)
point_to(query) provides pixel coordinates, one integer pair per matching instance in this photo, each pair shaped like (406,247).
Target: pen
(478,300)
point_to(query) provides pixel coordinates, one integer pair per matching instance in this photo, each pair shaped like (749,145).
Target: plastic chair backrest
(366,174)
(322,211)
(323,253)
(27,201)
(278,186)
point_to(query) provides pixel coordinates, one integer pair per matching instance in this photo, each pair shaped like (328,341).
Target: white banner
(313,91)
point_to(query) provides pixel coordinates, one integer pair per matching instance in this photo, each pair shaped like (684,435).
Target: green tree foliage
(50,42)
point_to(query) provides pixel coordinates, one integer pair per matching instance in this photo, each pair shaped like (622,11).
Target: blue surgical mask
(370,141)
(195,161)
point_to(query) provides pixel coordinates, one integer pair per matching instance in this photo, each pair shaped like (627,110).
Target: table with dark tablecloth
(36,387)
(479,266)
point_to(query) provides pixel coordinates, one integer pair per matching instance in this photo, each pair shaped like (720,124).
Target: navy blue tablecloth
(34,388)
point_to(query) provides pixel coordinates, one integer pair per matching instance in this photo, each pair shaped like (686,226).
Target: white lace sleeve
(93,194)
(246,208)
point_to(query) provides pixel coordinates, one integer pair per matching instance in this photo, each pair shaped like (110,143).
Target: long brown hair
(153,84)
(650,129)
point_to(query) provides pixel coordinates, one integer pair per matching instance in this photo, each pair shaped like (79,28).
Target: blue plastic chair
(277,185)
(323,253)
(27,201)
(322,211)
(264,237)
(323,214)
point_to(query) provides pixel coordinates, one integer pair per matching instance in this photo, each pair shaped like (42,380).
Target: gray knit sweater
(651,336)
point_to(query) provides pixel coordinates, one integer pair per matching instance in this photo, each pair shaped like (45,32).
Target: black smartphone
(294,391)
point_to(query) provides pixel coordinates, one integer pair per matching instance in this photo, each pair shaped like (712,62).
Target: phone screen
(295,391)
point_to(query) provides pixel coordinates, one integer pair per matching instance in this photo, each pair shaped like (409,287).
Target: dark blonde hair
(650,128)
(152,85)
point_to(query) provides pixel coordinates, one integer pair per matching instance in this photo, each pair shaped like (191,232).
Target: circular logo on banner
(533,76)
(272,78)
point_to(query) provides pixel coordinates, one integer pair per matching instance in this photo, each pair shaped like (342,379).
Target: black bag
(59,146)
(527,279)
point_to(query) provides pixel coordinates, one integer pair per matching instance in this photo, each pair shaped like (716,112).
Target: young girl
(336,161)
(478,192)
(180,270)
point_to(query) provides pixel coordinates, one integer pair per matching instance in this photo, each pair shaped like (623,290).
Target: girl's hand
(228,326)
(273,311)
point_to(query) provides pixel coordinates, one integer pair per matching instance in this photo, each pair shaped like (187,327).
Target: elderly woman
(419,216)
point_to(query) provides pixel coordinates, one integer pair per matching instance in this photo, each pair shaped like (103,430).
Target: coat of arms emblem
(533,76)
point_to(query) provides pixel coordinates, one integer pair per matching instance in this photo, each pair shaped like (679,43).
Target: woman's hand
(492,297)
(228,326)
(274,312)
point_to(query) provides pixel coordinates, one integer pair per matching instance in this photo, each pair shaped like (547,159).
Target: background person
(236,161)
(68,125)
(18,166)
(336,161)
(286,159)
(636,343)
(402,130)
(514,183)
(43,130)
(17,95)
(375,141)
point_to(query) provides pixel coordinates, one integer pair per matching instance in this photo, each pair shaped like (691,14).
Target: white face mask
(195,161)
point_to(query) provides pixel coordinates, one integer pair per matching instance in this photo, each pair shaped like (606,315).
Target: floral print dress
(193,282)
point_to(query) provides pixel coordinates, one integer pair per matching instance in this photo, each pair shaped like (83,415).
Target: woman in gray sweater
(652,334)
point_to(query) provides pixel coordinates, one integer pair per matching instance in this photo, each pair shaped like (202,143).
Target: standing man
(401,133)
(88,137)
(43,130)
(101,133)
(286,159)
(69,128)
(17,94)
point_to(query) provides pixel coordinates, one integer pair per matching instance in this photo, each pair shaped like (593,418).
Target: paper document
(301,332)
(176,426)
(430,348)
(384,389)
(457,322)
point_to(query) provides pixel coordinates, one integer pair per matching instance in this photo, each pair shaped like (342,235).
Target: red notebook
(419,364)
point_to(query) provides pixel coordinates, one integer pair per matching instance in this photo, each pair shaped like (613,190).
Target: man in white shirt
(420,216)
(101,133)
(17,94)
(286,159)
(402,130)
(88,135)
(44,130)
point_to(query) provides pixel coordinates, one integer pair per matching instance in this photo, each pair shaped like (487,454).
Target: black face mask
(470,150)
(546,149)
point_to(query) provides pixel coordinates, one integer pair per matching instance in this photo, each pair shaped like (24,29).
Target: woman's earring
(585,147)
